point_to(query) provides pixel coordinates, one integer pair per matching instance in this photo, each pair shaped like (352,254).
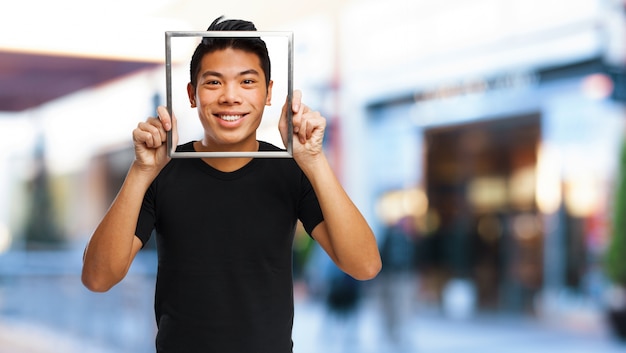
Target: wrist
(313,164)
(142,174)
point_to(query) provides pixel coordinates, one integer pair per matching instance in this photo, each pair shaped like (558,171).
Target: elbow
(369,271)
(373,270)
(96,286)
(95,283)
(100,276)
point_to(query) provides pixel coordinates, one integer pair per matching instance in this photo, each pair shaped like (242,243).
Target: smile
(230,117)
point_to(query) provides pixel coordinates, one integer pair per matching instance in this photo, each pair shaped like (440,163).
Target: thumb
(283,122)
(296,101)
(170,124)
(174,131)
(164,116)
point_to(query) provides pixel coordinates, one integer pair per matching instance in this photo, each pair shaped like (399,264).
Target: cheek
(206,97)
(261,98)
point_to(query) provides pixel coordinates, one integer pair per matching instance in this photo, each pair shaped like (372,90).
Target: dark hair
(208,45)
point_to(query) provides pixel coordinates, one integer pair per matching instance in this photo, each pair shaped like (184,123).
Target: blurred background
(482,139)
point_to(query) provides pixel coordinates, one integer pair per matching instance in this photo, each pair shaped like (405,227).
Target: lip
(230,119)
(221,115)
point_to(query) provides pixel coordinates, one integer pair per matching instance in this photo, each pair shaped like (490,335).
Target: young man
(224,226)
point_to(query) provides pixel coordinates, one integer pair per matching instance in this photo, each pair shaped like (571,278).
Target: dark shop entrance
(480,181)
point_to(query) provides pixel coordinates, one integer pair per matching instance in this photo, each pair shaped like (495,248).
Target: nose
(230,94)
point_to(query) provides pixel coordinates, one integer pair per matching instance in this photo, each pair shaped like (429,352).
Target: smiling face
(230,96)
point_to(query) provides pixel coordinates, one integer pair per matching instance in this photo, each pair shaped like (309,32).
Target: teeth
(230,117)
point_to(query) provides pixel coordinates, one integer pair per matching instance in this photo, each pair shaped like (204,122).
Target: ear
(191,92)
(268,100)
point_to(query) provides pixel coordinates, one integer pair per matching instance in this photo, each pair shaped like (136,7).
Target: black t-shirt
(224,242)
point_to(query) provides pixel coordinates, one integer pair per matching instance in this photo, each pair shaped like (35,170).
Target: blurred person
(225,226)
(398,279)
(342,296)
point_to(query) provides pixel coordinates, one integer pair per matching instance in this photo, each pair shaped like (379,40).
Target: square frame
(171,150)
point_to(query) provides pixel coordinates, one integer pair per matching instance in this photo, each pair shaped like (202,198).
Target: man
(224,226)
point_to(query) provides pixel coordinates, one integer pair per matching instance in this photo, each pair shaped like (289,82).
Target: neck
(225,164)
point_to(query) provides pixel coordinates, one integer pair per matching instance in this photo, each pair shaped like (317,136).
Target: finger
(174,130)
(315,124)
(311,126)
(297,118)
(169,123)
(143,137)
(296,101)
(282,123)
(302,133)
(164,116)
(160,133)
(308,128)
(154,128)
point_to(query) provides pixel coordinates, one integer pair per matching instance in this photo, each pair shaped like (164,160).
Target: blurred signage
(478,86)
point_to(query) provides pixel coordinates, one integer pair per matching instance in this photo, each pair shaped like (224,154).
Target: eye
(248,81)
(211,82)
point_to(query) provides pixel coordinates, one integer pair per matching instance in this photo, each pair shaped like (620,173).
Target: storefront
(504,157)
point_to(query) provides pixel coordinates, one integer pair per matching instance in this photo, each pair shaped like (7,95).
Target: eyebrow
(218,74)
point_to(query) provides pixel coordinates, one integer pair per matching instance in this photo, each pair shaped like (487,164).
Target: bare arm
(344,234)
(113,245)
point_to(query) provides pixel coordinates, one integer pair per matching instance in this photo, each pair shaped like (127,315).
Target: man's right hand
(150,141)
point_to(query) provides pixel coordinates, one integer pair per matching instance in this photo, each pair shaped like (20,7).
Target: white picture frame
(281,40)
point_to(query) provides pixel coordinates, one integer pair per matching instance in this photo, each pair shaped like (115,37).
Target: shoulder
(278,164)
(178,168)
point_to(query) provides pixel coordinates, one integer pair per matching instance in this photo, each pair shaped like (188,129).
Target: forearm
(112,246)
(350,241)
